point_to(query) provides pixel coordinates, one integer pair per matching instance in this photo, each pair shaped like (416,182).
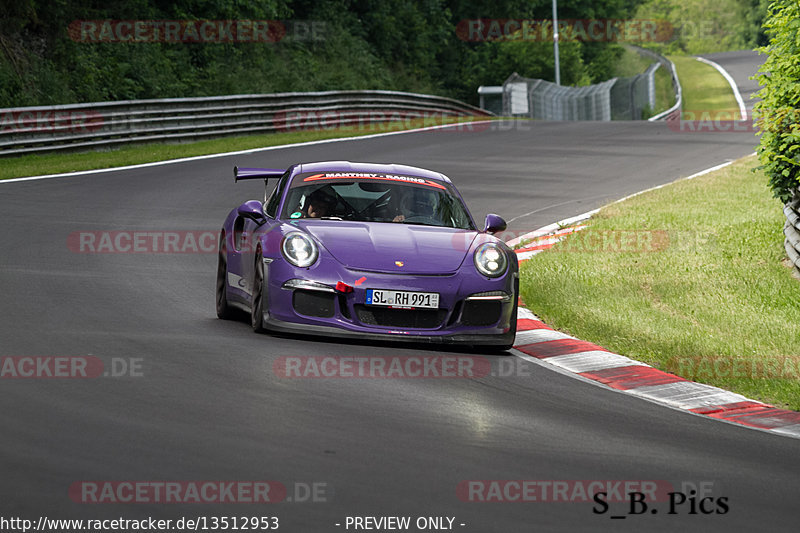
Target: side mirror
(494,223)
(253,210)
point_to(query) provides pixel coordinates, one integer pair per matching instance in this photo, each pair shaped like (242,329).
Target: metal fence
(109,124)
(792,231)
(634,98)
(631,98)
(614,99)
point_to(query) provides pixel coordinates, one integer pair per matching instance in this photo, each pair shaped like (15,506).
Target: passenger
(319,204)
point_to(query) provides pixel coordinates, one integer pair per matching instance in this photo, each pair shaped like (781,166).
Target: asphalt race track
(205,403)
(740,65)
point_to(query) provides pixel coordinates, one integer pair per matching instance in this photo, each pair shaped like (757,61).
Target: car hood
(393,247)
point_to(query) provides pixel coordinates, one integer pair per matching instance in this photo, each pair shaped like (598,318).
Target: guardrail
(97,125)
(676,85)
(792,231)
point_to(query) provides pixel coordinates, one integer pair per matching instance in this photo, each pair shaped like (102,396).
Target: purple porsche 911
(365,250)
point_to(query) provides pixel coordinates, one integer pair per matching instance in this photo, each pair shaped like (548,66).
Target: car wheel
(259,296)
(224,311)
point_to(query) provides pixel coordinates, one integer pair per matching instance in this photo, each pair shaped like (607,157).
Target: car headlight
(299,250)
(490,260)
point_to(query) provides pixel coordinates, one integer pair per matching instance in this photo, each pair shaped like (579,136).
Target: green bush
(777,111)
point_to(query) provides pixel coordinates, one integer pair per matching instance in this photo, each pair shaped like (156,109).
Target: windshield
(369,197)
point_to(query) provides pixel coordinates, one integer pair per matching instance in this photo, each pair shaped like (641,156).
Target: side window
(272,204)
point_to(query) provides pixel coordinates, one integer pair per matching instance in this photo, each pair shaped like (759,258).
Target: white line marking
(239,152)
(731,82)
(550,228)
(545,208)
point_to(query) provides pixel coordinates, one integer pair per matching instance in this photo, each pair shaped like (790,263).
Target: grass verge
(41,164)
(689,279)
(704,90)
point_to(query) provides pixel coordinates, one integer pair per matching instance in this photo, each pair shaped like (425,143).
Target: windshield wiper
(414,223)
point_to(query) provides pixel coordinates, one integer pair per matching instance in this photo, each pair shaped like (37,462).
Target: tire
(259,296)
(224,310)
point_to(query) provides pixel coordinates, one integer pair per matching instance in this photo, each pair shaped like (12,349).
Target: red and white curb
(535,244)
(594,363)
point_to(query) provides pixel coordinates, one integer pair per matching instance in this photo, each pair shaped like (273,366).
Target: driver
(419,203)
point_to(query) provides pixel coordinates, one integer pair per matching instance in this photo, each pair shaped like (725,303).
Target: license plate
(389,298)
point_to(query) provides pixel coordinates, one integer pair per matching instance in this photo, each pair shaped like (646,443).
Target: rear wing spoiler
(256,173)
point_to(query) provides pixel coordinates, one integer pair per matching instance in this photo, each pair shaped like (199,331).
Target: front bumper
(472,309)
(478,339)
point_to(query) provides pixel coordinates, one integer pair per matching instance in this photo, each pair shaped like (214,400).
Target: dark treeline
(402,45)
